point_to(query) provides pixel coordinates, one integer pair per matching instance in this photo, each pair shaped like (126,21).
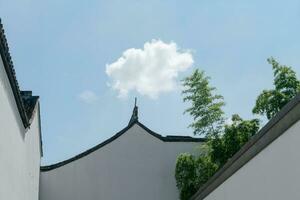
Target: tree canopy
(224,140)
(206,107)
(287,86)
(194,171)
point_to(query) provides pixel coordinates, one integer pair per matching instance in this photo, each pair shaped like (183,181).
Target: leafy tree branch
(224,140)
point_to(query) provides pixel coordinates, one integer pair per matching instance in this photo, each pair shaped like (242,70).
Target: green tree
(287,86)
(224,141)
(192,172)
(206,108)
(205,169)
(186,175)
(235,135)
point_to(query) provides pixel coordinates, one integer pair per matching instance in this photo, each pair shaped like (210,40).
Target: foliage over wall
(224,140)
(287,86)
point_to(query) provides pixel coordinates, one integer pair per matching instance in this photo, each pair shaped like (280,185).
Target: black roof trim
(10,71)
(85,153)
(171,138)
(277,126)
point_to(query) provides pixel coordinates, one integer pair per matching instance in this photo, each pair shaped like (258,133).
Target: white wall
(19,151)
(273,174)
(135,166)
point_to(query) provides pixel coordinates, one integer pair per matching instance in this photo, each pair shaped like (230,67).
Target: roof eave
(9,68)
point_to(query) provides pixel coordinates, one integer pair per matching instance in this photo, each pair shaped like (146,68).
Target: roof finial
(134,117)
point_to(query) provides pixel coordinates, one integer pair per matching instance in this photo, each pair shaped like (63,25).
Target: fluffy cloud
(88,96)
(149,71)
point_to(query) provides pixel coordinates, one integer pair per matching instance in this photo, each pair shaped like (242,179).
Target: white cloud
(88,96)
(149,71)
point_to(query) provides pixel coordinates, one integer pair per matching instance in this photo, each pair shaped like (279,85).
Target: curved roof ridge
(117,135)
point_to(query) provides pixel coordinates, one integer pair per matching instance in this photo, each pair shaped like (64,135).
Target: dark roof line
(24,107)
(171,138)
(277,126)
(117,135)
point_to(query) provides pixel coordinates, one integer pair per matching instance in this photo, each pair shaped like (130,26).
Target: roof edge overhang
(117,135)
(11,74)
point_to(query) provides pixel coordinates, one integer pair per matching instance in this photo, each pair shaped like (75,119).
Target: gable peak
(134,117)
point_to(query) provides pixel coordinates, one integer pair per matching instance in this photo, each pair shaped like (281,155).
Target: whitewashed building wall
(274,174)
(19,148)
(134,166)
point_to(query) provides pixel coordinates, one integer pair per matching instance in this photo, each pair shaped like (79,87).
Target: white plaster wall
(134,166)
(19,151)
(274,174)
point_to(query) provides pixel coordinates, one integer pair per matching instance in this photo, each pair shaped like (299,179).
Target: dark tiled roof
(171,138)
(25,102)
(87,152)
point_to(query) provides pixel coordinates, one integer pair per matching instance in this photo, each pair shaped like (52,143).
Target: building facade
(136,163)
(20,133)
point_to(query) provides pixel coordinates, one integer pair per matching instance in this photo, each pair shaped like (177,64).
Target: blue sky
(61,50)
